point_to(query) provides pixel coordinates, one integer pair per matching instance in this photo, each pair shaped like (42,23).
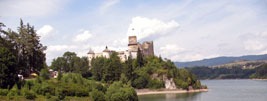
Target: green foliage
(44,74)
(261,72)
(14,91)
(108,70)
(119,92)
(59,75)
(221,73)
(139,59)
(3,92)
(98,67)
(98,95)
(111,70)
(123,78)
(29,94)
(73,78)
(60,94)
(156,84)
(70,62)
(141,81)
(8,69)
(47,95)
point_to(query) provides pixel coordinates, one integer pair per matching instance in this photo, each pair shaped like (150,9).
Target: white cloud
(83,36)
(144,27)
(171,49)
(107,5)
(253,45)
(54,48)
(264,34)
(263,52)
(45,31)
(29,7)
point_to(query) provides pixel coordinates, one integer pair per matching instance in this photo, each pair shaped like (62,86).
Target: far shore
(234,79)
(165,91)
(258,79)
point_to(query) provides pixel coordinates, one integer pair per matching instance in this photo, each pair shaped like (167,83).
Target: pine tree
(140,58)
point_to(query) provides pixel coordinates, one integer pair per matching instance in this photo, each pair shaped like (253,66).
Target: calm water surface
(219,90)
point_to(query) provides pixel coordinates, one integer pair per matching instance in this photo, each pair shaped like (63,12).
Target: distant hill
(220,60)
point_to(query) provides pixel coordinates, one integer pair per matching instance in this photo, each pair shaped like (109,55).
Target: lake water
(219,90)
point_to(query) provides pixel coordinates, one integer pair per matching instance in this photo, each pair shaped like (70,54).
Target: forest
(204,72)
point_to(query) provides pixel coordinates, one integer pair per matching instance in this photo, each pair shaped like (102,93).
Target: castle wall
(148,48)
(133,47)
(132,40)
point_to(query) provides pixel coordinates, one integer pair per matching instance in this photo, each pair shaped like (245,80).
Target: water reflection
(170,97)
(219,90)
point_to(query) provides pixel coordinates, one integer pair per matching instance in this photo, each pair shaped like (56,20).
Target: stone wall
(148,48)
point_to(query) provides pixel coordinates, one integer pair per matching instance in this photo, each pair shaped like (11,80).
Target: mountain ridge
(220,60)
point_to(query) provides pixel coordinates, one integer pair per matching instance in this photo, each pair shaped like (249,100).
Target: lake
(219,90)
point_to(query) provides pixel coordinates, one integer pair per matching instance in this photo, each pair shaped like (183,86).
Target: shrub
(44,74)
(29,94)
(141,81)
(98,95)
(73,78)
(119,92)
(3,92)
(60,94)
(47,95)
(14,91)
(59,75)
(155,84)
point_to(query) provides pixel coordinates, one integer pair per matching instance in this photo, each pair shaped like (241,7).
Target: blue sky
(182,30)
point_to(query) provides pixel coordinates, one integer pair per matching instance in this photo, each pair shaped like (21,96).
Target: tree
(113,68)
(26,46)
(8,72)
(140,58)
(98,68)
(80,65)
(59,64)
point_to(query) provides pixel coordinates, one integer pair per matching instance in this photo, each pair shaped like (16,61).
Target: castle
(146,49)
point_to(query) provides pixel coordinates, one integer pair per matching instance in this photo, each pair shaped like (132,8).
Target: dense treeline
(203,72)
(70,62)
(21,53)
(142,72)
(261,72)
(68,86)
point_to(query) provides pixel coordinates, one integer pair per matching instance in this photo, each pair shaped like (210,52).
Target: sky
(182,30)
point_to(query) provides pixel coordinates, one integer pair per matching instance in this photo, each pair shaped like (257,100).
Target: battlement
(132,40)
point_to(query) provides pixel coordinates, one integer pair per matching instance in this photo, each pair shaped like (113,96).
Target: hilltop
(221,60)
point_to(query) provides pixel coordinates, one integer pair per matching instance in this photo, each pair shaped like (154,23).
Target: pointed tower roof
(106,50)
(91,52)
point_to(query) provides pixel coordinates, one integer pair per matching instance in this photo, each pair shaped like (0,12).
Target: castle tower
(106,52)
(91,55)
(148,48)
(133,45)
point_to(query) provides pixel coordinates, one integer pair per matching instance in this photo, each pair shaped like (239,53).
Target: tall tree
(68,56)
(8,70)
(140,58)
(30,52)
(98,67)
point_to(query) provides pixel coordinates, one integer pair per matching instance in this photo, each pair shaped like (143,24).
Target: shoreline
(150,92)
(233,79)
